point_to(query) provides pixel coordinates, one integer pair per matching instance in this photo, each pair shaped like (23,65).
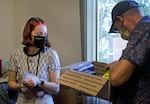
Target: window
(99,45)
(109,45)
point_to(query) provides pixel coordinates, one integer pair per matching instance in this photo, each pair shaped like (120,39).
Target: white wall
(62,17)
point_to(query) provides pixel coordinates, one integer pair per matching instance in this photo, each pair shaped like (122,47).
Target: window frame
(88,29)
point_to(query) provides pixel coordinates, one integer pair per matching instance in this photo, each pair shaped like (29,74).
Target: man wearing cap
(131,73)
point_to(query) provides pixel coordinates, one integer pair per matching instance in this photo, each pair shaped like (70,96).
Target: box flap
(87,83)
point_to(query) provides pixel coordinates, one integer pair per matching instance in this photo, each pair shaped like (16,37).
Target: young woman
(34,68)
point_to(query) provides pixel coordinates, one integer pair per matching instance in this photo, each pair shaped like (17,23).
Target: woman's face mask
(39,36)
(40,41)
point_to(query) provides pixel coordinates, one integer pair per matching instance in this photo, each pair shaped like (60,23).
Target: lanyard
(36,66)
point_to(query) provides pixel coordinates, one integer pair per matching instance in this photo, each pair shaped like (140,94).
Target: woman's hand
(30,80)
(29,83)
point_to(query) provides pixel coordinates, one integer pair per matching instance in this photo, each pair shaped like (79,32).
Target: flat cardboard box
(87,84)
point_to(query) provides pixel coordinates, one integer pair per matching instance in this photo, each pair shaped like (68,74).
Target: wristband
(42,82)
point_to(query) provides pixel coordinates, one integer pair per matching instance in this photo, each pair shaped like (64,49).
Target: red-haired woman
(35,67)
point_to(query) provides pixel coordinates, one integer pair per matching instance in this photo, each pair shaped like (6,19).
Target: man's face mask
(125,34)
(40,41)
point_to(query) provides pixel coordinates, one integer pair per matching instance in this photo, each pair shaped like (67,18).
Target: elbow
(10,85)
(115,81)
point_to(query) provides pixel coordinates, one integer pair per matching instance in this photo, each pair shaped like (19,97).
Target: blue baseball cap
(119,9)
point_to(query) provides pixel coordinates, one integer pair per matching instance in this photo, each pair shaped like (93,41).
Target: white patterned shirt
(40,64)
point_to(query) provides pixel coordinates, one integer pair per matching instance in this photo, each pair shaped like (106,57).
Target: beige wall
(62,17)
(6,29)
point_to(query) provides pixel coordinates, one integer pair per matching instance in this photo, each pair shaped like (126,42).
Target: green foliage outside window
(105,46)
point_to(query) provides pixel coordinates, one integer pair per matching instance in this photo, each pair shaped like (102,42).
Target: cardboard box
(87,84)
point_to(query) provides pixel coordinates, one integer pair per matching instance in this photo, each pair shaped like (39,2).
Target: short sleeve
(138,44)
(54,63)
(13,61)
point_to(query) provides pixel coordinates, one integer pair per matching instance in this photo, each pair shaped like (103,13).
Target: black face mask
(40,41)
